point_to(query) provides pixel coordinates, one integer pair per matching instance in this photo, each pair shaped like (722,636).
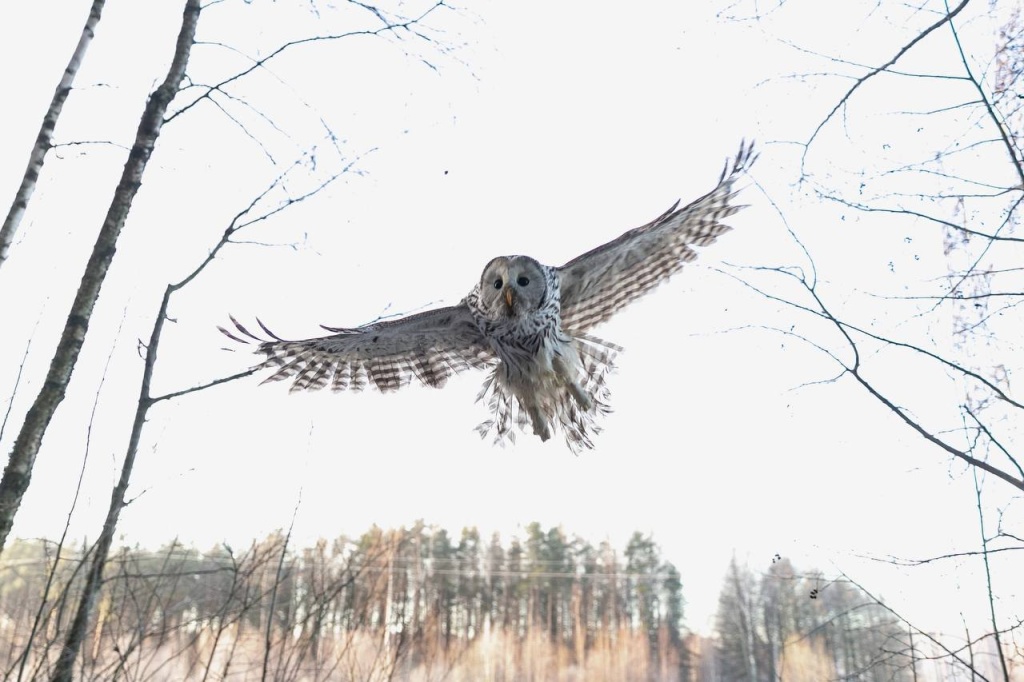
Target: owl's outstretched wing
(599,283)
(430,346)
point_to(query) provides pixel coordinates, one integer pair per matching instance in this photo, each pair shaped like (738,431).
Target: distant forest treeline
(417,604)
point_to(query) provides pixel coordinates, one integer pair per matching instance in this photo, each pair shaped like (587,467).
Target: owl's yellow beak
(508,298)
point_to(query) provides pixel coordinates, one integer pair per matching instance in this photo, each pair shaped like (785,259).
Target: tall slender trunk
(149,129)
(18,473)
(42,144)
(746,625)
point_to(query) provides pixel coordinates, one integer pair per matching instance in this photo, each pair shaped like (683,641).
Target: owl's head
(513,286)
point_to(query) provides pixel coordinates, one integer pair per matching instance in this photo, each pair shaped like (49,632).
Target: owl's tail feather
(580,425)
(509,413)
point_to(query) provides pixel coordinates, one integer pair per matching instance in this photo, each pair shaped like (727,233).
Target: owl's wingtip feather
(231,336)
(267,331)
(741,163)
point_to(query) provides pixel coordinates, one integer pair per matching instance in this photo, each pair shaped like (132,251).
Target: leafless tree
(279,195)
(221,95)
(44,140)
(946,177)
(18,472)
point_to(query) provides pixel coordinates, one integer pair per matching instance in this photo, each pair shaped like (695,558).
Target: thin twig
(874,72)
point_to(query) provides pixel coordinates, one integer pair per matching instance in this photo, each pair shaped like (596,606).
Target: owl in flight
(526,322)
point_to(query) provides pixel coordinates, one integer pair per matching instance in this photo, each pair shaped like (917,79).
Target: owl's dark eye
(523,280)
(497,283)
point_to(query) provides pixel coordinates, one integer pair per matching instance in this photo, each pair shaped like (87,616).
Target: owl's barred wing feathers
(597,284)
(428,346)
(525,321)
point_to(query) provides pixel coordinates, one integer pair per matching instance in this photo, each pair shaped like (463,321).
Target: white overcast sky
(549,129)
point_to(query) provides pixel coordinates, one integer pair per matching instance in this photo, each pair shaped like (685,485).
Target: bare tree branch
(203,387)
(389,27)
(17,382)
(988,579)
(854,369)
(992,439)
(1004,134)
(874,72)
(934,640)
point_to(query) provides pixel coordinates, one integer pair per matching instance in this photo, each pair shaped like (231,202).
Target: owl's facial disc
(512,287)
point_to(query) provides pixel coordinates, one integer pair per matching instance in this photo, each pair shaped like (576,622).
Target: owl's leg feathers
(569,395)
(571,377)
(540,422)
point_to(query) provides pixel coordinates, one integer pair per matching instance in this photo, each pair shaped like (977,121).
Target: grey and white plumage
(526,322)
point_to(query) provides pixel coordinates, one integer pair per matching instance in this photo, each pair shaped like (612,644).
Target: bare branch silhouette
(948,18)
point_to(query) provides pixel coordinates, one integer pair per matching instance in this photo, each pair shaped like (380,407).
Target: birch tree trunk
(42,145)
(149,130)
(18,473)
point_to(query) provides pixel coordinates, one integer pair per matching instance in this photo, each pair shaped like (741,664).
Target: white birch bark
(45,136)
